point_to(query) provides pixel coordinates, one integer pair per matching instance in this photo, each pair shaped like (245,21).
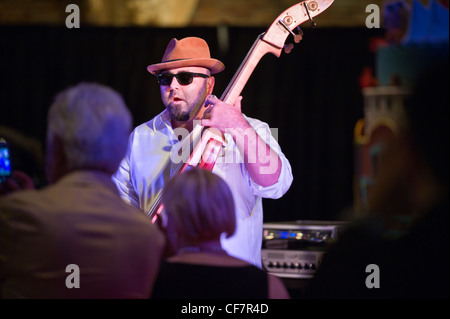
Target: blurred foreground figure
(401,250)
(76,238)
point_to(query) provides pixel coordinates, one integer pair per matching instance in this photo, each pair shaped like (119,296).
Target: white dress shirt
(147,166)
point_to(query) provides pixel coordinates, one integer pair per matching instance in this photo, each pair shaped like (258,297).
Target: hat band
(176,60)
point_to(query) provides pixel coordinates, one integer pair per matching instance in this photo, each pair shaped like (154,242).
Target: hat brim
(214,65)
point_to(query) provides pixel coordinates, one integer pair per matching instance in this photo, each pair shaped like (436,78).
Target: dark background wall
(311,95)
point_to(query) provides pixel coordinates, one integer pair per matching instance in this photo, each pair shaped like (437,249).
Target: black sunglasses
(184,78)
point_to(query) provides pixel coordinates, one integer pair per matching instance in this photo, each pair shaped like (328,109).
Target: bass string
(177,168)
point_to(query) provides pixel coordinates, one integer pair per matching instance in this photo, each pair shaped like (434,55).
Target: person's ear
(210,85)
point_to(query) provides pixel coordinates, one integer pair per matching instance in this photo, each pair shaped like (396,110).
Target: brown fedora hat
(189,51)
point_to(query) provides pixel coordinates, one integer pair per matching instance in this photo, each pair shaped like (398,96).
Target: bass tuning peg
(297,37)
(288,48)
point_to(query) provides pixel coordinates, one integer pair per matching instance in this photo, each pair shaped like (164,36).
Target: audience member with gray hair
(76,238)
(90,122)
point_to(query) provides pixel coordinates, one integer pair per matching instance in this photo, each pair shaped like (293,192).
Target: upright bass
(204,143)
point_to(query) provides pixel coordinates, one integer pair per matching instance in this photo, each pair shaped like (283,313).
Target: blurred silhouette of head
(88,128)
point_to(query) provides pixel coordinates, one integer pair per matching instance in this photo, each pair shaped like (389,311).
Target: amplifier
(295,249)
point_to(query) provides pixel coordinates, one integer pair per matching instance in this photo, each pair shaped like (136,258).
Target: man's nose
(174,82)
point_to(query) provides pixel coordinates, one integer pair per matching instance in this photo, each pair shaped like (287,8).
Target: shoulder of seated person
(208,259)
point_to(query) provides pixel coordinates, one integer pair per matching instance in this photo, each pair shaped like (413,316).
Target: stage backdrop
(311,95)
